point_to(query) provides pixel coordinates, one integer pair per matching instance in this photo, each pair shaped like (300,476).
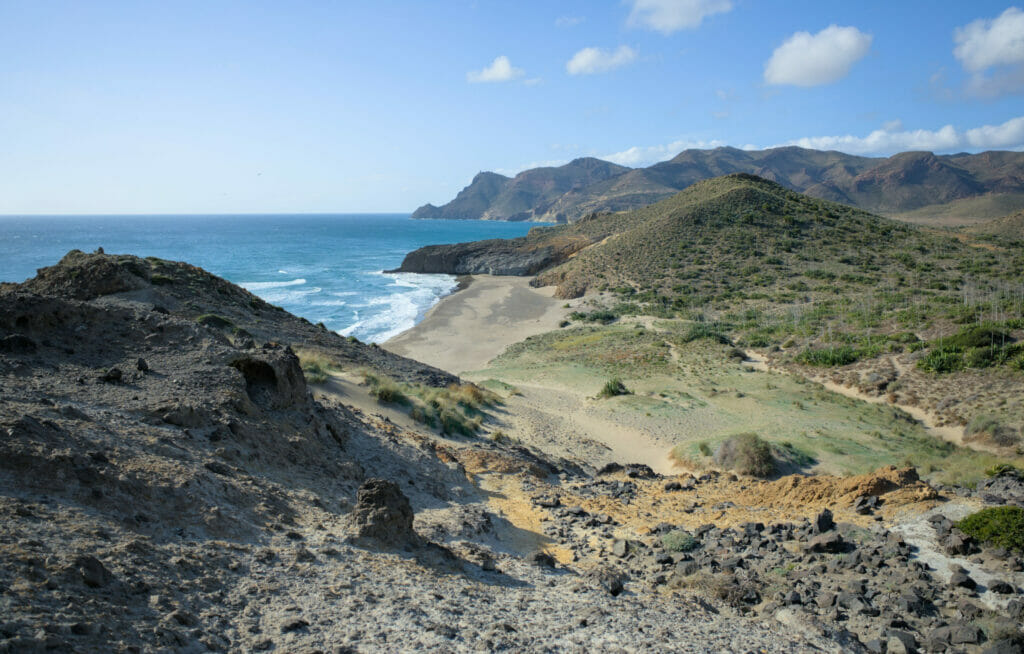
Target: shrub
(387,392)
(1001,469)
(679,540)
(613,387)
(161,280)
(747,454)
(942,359)
(1001,526)
(704,448)
(997,432)
(834,356)
(712,331)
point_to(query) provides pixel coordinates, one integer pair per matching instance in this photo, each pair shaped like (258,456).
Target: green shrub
(704,448)
(612,388)
(999,433)
(1001,526)
(747,454)
(711,331)
(160,280)
(679,540)
(942,360)
(833,356)
(1000,469)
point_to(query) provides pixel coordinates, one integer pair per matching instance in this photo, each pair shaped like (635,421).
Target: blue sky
(218,107)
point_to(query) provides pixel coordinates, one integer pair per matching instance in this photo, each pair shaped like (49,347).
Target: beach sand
(470,327)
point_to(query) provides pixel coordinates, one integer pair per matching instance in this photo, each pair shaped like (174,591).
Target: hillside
(1006,230)
(826,288)
(961,187)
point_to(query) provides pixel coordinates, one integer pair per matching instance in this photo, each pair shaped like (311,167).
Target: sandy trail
(470,327)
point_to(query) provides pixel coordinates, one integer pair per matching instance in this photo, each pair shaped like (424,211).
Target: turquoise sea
(323,267)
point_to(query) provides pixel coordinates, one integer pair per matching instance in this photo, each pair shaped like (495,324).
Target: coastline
(476,322)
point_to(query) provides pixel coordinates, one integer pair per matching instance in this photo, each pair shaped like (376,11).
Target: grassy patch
(457,409)
(316,366)
(612,388)
(1001,526)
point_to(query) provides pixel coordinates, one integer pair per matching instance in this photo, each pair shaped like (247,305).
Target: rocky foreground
(168,481)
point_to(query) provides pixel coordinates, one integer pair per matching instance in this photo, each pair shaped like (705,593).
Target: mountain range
(915,186)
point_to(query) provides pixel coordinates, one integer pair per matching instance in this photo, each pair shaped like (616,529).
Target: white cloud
(986,43)
(1007,136)
(500,70)
(806,59)
(594,60)
(644,156)
(667,16)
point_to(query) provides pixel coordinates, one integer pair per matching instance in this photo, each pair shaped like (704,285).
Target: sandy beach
(470,327)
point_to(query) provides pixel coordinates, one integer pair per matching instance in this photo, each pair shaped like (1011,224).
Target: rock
(673,486)
(218,468)
(1001,587)
(792,597)
(823,522)
(112,376)
(608,579)
(382,514)
(900,642)
(17,344)
(92,571)
(960,579)
(620,548)
(141,365)
(542,559)
(1012,645)
(293,625)
(964,633)
(958,543)
(830,542)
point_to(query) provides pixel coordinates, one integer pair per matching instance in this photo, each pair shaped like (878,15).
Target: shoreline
(477,321)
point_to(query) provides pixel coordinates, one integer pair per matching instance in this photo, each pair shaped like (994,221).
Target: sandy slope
(469,328)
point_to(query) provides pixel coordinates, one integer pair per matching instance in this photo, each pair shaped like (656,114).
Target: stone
(608,579)
(542,559)
(900,642)
(961,579)
(17,344)
(1001,587)
(92,571)
(830,542)
(382,514)
(112,376)
(620,548)
(141,365)
(964,633)
(823,522)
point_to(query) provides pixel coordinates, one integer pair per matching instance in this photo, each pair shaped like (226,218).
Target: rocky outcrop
(517,257)
(382,515)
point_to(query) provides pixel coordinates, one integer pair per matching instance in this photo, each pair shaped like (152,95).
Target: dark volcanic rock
(491,257)
(382,514)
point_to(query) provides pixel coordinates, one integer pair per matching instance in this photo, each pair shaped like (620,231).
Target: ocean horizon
(324,267)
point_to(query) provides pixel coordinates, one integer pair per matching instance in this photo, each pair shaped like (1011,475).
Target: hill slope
(1009,229)
(899,184)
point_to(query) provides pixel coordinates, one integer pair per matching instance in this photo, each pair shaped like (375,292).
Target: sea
(327,268)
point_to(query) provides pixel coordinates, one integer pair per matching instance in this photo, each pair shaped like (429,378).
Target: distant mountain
(980,186)
(527,196)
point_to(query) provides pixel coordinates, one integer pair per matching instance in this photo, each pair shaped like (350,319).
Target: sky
(344,106)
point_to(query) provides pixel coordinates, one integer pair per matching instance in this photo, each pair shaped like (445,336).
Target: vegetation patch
(316,366)
(990,428)
(612,388)
(1000,526)
(976,346)
(679,540)
(746,454)
(457,409)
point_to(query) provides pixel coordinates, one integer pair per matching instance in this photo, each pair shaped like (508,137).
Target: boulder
(382,515)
